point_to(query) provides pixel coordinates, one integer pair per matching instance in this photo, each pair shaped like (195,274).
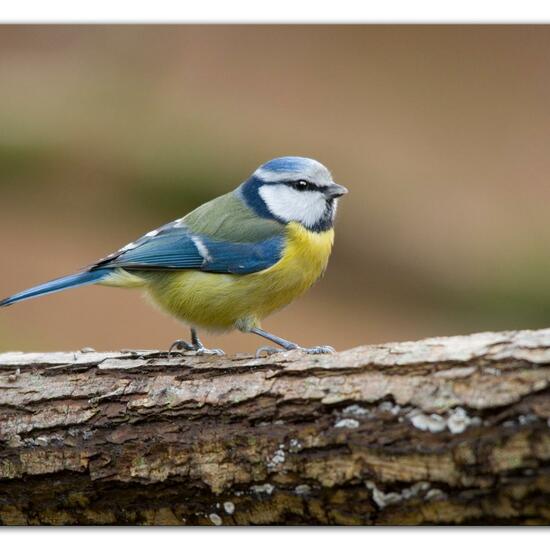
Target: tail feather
(70,281)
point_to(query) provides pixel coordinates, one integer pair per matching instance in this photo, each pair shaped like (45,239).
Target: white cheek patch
(291,205)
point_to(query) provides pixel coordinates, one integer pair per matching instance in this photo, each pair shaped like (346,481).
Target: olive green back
(228,218)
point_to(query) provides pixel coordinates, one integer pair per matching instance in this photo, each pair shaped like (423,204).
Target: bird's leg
(195,345)
(200,349)
(285,344)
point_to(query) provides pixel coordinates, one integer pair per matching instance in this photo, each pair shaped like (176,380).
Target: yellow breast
(304,258)
(219,302)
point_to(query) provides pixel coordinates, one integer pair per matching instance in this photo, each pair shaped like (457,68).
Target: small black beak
(333,191)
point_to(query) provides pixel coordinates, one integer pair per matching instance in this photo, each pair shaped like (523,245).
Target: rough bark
(442,431)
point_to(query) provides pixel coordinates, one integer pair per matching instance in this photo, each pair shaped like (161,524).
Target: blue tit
(231,262)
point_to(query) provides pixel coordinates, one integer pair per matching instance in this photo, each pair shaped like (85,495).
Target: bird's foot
(182,345)
(316,350)
(205,351)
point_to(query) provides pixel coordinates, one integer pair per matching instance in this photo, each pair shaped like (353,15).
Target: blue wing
(174,246)
(237,242)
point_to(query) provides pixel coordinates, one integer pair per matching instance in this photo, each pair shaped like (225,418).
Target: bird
(232,261)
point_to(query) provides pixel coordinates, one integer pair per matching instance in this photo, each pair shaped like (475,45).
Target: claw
(206,351)
(180,345)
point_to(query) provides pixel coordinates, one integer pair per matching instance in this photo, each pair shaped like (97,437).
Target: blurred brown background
(440,132)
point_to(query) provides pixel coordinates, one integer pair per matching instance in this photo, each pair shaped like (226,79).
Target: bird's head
(293,189)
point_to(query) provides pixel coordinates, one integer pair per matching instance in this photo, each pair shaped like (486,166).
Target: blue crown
(288,164)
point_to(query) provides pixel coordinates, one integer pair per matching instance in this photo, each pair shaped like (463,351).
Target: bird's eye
(303,185)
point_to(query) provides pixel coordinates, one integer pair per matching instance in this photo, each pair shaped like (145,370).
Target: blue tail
(70,281)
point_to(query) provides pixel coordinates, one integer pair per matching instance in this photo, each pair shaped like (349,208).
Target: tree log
(441,431)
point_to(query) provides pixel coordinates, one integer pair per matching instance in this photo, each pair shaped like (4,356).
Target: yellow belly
(220,302)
